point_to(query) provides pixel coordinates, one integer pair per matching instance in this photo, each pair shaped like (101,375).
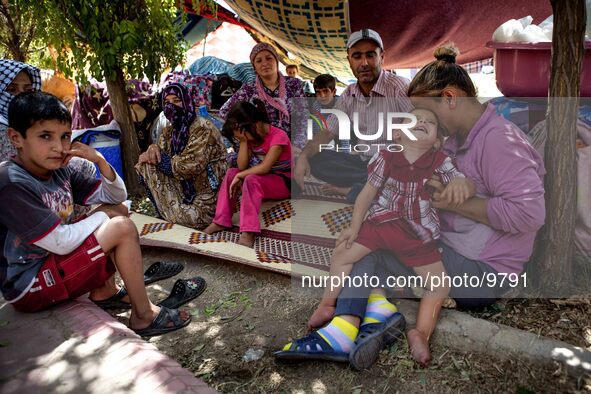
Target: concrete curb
(464,332)
(78,347)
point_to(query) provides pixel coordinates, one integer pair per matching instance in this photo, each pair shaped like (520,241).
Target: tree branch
(13,43)
(5,10)
(63,7)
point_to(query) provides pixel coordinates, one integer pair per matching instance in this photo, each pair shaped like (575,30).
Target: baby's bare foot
(213,228)
(247,239)
(322,315)
(419,347)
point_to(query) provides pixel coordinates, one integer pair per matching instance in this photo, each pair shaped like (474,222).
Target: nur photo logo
(387,122)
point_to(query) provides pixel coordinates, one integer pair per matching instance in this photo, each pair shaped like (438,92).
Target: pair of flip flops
(184,290)
(370,340)
(155,272)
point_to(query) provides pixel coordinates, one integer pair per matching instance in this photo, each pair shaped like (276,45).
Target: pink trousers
(255,189)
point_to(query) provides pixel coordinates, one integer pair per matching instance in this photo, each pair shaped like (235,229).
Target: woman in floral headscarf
(182,173)
(274,90)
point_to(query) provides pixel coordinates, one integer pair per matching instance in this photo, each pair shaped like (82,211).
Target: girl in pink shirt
(269,180)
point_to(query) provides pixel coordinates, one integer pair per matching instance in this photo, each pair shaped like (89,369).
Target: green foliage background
(136,36)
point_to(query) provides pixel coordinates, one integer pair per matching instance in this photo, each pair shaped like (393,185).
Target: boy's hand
(348,235)
(78,149)
(458,190)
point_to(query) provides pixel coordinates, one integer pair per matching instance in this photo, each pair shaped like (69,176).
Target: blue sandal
(310,347)
(374,337)
(160,325)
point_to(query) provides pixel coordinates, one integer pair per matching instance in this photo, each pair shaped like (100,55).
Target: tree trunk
(129,146)
(17,54)
(13,40)
(561,176)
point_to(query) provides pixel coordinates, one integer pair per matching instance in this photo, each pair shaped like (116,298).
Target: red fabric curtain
(413,29)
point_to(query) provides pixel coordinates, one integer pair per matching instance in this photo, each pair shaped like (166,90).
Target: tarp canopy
(228,42)
(316,31)
(199,23)
(195,28)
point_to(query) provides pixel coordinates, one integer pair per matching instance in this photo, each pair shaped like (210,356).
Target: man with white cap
(347,173)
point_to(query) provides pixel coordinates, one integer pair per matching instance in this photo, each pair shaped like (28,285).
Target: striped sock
(378,308)
(339,334)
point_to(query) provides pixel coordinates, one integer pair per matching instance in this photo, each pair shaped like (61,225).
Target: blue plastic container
(106,140)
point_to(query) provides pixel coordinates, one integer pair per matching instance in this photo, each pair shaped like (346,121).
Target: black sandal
(183,291)
(160,325)
(115,301)
(161,270)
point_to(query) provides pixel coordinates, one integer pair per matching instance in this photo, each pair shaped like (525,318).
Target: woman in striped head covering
(15,78)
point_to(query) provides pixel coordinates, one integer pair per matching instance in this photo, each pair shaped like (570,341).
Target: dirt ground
(249,309)
(567,320)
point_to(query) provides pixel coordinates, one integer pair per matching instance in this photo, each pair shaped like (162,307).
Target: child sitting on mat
(269,180)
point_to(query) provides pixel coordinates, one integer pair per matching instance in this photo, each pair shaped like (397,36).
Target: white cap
(365,34)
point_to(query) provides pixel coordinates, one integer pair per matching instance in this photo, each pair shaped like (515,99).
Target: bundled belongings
(92,107)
